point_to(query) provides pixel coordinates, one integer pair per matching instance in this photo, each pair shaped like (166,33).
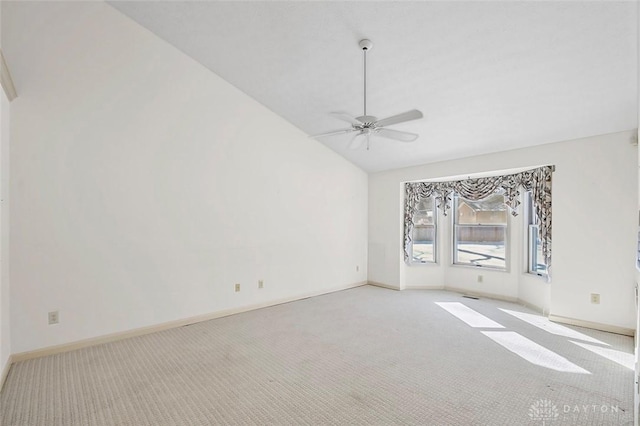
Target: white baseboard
(66,347)
(594,325)
(5,371)
(481,294)
(532,307)
(383,285)
(556,318)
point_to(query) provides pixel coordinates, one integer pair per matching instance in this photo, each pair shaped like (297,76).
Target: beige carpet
(362,356)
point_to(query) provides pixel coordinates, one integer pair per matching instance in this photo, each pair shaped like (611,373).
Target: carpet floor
(364,356)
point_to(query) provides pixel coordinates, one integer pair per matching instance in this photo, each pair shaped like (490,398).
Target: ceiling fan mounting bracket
(365,44)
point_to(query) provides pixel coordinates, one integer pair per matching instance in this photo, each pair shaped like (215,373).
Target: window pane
(424,215)
(536,259)
(531,212)
(480,231)
(491,210)
(481,245)
(536,262)
(424,232)
(423,243)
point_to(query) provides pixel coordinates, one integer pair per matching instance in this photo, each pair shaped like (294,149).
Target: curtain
(538,181)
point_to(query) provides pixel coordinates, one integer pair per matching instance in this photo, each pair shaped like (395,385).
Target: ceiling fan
(366,126)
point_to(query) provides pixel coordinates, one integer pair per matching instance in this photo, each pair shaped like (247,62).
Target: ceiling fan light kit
(366,126)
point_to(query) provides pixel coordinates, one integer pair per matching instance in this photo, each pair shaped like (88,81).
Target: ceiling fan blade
(346,117)
(356,141)
(334,132)
(414,114)
(397,135)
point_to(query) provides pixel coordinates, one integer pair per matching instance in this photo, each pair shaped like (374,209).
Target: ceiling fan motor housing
(367,120)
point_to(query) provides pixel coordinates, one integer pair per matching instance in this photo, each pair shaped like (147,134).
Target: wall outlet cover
(54,317)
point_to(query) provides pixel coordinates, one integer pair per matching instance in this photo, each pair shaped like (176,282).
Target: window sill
(423,264)
(543,277)
(479,268)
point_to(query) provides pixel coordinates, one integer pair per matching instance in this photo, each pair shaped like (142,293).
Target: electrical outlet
(54,317)
(595,298)
(480,278)
(357,268)
(237,287)
(260,283)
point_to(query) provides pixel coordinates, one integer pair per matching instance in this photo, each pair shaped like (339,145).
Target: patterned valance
(538,181)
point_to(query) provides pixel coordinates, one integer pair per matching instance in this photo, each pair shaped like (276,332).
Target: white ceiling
(489,76)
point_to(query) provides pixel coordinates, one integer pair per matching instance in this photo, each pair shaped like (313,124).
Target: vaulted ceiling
(489,76)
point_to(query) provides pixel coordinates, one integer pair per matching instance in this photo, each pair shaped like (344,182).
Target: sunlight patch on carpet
(468,315)
(543,323)
(533,352)
(619,357)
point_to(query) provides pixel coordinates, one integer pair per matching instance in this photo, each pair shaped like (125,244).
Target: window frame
(532,229)
(412,260)
(454,239)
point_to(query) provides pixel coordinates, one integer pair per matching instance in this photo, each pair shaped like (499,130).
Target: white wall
(636,388)
(594,222)
(144,186)
(5,317)
(5,291)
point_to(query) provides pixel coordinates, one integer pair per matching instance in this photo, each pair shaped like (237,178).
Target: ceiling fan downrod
(365,45)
